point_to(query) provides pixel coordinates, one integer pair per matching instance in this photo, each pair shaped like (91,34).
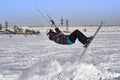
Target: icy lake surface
(38,58)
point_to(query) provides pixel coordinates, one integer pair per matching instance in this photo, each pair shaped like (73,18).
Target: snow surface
(38,58)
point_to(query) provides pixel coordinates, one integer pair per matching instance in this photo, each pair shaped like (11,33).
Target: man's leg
(77,34)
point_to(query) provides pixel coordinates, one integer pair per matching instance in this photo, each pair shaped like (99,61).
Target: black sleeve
(58,30)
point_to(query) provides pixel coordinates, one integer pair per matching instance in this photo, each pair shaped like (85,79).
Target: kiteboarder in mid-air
(61,38)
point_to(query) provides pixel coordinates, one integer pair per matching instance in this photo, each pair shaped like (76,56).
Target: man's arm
(58,30)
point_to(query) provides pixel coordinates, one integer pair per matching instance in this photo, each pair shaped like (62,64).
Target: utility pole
(0,26)
(6,25)
(62,21)
(67,25)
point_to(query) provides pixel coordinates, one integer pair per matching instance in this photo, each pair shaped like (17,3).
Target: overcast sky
(78,12)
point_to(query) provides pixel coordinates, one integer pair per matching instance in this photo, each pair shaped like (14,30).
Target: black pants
(77,34)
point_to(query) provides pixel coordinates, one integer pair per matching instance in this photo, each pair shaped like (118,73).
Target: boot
(88,41)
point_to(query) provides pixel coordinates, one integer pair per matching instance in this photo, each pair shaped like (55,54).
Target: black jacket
(58,36)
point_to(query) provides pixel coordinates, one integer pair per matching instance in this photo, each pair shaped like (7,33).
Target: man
(61,38)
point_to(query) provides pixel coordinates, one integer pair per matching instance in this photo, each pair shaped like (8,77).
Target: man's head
(49,31)
(51,34)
